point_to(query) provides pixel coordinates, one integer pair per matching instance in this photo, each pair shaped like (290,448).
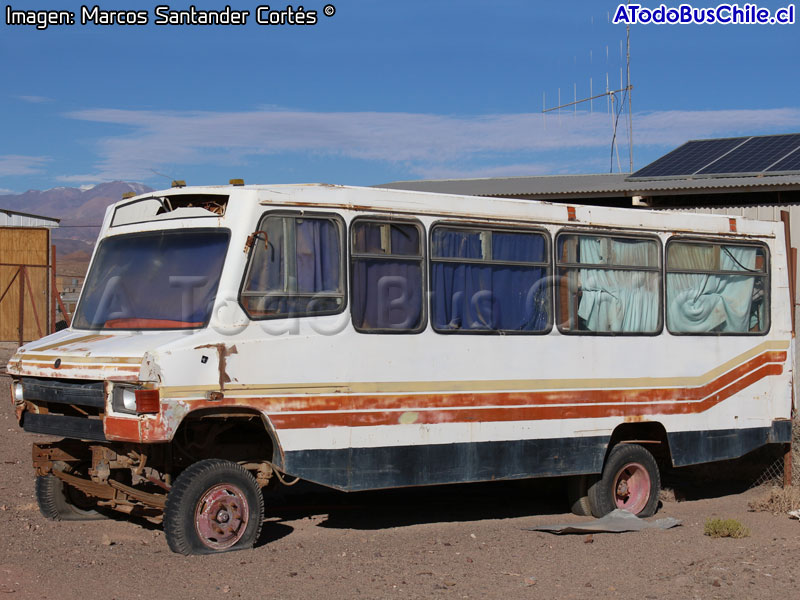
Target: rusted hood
(88,355)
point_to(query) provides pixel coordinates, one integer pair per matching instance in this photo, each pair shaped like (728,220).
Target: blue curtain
(317,248)
(494,297)
(387,292)
(300,265)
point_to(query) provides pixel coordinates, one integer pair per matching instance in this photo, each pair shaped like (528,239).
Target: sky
(379,91)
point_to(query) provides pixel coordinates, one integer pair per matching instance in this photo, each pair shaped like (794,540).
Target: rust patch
(635,419)
(529,407)
(223,352)
(122,429)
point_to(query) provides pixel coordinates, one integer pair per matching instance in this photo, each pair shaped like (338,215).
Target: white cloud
(18,164)
(89,179)
(4,191)
(427,144)
(35,99)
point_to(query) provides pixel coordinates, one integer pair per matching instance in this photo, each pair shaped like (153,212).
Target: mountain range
(81,211)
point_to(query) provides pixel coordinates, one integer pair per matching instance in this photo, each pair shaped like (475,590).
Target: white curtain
(705,302)
(616,300)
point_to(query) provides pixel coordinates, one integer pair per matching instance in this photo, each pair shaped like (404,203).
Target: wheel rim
(221,516)
(632,488)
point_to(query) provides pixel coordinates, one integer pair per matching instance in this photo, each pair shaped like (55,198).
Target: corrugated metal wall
(12,219)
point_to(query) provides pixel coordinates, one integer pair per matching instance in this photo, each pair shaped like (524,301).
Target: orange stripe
(351,402)
(83,367)
(537,405)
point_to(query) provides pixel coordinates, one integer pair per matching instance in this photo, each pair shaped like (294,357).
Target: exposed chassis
(119,475)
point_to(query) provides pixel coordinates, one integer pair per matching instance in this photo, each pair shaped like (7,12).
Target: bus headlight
(123,399)
(19,396)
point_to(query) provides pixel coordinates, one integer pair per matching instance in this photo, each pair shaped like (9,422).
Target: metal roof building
(722,171)
(12,218)
(616,189)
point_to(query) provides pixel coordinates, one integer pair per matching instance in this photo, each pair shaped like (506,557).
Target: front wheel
(59,501)
(630,481)
(214,506)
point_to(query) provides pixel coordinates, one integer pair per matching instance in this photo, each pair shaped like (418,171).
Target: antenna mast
(625,87)
(630,94)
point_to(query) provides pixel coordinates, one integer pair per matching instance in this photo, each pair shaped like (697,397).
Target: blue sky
(380,91)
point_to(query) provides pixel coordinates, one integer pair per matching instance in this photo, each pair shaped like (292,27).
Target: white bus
(367,338)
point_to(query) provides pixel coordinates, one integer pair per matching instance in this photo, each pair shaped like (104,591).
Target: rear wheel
(59,501)
(630,481)
(214,506)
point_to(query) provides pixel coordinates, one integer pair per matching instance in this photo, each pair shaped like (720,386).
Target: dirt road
(444,542)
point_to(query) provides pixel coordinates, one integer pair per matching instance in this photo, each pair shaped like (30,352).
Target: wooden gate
(24,283)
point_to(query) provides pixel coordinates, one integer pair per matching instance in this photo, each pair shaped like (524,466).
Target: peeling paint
(223,353)
(151,369)
(408,418)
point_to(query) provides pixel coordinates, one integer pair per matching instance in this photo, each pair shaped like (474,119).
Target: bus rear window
(716,289)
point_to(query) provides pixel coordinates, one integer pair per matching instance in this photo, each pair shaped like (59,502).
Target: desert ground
(464,541)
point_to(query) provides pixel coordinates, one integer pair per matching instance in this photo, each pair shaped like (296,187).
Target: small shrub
(777,500)
(719,528)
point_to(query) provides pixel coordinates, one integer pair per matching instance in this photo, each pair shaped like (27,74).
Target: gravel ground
(467,541)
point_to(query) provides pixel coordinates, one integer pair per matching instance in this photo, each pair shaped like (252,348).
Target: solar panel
(773,154)
(788,163)
(689,158)
(755,155)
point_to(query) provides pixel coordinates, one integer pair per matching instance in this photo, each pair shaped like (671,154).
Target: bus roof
(414,203)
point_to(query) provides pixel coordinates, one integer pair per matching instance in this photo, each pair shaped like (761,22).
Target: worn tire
(578,494)
(630,481)
(56,501)
(214,506)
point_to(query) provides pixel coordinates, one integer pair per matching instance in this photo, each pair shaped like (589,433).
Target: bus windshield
(153,280)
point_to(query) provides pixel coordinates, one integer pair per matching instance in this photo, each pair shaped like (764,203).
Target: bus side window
(608,284)
(298,271)
(716,288)
(489,280)
(386,283)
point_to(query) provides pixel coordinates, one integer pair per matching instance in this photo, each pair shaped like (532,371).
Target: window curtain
(705,302)
(474,296)
(387,293)
(317,262)
(615,300)
(302,258)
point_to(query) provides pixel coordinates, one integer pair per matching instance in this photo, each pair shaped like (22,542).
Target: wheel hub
(221,516)
(632,488)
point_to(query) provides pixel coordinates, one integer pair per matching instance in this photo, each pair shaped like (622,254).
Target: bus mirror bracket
(252,238)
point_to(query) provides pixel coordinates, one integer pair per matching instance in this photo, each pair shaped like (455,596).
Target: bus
(231,336)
